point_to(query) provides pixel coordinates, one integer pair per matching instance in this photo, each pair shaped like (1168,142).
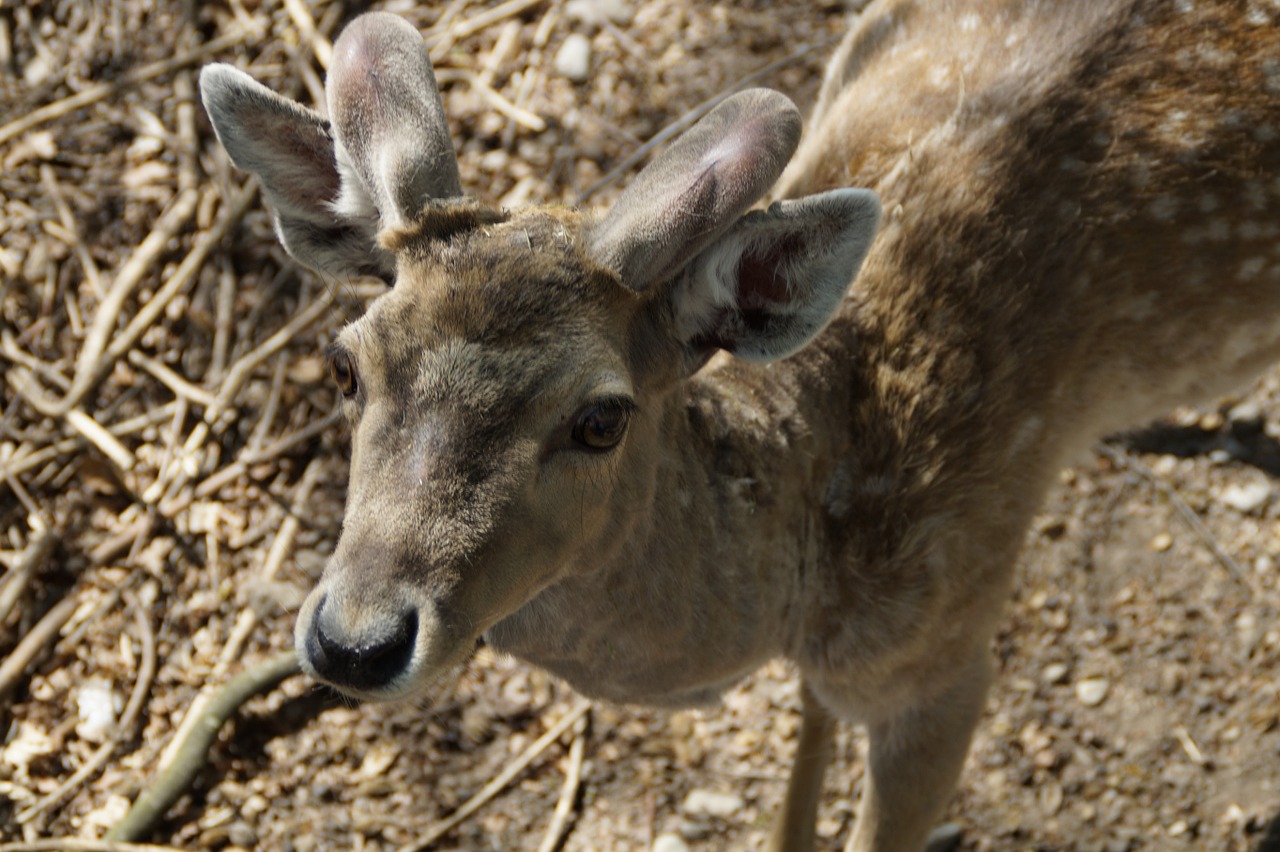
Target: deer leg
(913,762)
(794,829)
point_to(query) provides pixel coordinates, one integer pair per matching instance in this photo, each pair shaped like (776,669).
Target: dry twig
(689,118)
(15,582)
(320,46)
(1184,511)
(193,751)
(34,643)
(519,115)
(280,548)
(132,710)
(569,792)
(78,844)
(102,91)
(476,23)
(496,786)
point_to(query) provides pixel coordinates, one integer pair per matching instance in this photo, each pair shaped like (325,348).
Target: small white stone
(1092,691)
(97,704)
(596,12)
(1248,497)
(694,830)
(1055,673)
(573,60)
(669,843)
(701,804)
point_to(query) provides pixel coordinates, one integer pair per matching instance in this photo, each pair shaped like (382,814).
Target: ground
(183,499)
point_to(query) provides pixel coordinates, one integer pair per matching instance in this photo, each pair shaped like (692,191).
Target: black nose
(367,661)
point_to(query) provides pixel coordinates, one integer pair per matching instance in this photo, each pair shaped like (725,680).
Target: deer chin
(386,653)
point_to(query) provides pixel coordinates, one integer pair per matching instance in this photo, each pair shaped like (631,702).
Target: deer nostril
(368,661)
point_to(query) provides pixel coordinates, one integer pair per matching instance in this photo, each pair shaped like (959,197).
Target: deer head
(509,396)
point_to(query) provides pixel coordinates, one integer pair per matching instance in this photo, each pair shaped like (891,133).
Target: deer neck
(671,613)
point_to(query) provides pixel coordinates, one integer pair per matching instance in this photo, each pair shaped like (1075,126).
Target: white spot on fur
(1219,230)
(970,23)
(1026,434)
(1215,56)
(1139,309)
(1252,268)
(1255,230)
(1271,76)
(1163,208)
(1255,196)
(1175,124)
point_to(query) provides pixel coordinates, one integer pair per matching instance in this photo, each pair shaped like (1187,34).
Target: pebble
(98,705)
(1055,673)
(1246,498)
(944,838)
(596,12)
(828,828)
(692,829)
(669,843)
(700,804)
(573,60)
(1249,412)
(1093,691)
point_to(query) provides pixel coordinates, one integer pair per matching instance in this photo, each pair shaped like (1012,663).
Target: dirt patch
(1137,701)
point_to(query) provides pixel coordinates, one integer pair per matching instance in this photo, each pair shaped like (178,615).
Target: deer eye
(343,370)
(601,425)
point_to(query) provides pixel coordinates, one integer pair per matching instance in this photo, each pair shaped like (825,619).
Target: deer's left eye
(343,370)
(601,425)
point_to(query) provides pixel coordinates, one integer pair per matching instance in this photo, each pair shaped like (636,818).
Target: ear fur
(696,188)
(774,280)
(292,152)
(389,120)
(332,188)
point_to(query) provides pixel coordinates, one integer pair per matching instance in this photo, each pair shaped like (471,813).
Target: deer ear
(775,279)
(388,118)
(698,187)
(332,188)
(291,150)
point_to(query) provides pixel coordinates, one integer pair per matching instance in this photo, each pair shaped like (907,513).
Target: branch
(193,752)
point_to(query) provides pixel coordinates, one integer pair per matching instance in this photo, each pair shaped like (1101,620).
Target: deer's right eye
(343,370)
(600,427)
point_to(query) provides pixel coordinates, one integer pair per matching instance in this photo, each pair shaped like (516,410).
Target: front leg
(913,762)
(794,830)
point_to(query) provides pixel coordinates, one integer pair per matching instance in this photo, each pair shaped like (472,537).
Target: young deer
(1082,207)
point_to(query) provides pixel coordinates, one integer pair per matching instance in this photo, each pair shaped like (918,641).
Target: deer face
(506,396)
(491,395)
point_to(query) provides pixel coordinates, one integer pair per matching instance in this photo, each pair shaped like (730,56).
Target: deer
(785,398)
